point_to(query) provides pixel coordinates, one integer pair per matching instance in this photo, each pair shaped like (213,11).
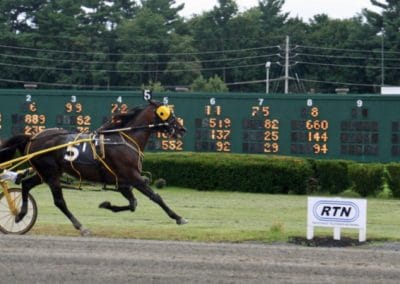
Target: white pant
(8,175)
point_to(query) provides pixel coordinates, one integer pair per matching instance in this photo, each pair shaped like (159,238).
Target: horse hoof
(19,217)
(105,205)
(182,221)
(85,232)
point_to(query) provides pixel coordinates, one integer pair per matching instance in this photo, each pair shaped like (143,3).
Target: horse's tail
(9,147)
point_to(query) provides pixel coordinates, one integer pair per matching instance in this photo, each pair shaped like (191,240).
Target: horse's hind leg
(60,203)
(27,185)
(146,190)
(126,191)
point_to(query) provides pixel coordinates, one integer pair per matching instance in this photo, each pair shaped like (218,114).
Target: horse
(111,155)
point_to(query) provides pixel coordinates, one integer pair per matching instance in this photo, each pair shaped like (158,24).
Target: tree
(17,16)
(166,9)
(144,43)
(216,84)
(386,26)
(271,14)
(199,84)
(224,12)
(104,16)
(153,86)
(130,43)
(213,34)
(100,22)
(213,84)
(183,66)
(16,29)
(247,64)
(334,54)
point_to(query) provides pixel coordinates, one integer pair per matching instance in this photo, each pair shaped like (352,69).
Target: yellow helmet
(163,112)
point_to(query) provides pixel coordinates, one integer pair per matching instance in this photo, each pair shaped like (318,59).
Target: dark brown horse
(111,155)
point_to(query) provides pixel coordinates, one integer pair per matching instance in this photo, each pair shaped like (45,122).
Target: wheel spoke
(7,218)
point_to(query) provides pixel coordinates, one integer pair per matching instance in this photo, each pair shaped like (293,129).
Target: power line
(128,71)
(339,83)
(349,50)
(139,54)
(67,85)
(347,65)
(345,57)
(134,62)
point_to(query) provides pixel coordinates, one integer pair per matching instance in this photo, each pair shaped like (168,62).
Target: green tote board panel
(354,127)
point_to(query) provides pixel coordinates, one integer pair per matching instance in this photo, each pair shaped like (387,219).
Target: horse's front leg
(126,191)
(146,190)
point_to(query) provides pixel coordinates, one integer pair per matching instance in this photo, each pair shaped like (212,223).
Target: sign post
(337,213)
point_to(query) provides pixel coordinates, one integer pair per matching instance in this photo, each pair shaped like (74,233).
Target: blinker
(163,112)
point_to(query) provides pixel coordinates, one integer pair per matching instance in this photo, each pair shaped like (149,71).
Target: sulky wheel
(7,218)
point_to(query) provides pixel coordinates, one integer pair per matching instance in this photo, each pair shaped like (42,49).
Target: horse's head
(155,116)
(165,120)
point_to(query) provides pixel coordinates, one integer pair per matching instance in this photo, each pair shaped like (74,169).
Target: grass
(213,216)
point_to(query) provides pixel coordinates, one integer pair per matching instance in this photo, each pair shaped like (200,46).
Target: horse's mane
(121,119)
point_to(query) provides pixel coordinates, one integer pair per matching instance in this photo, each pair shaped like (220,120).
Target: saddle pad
(80,153)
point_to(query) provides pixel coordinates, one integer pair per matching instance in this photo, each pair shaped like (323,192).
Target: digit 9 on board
(73,117)
(213,132)
(359,134)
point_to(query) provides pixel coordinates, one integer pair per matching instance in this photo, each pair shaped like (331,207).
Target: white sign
(337,213)
(390,90)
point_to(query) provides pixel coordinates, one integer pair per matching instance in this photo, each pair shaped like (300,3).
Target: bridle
(164,123)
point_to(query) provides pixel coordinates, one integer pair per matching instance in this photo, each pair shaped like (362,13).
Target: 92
(223,146)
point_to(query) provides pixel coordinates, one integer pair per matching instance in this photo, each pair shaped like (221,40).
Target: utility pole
(285,77)
(382,57)
(267,66)
(287,66)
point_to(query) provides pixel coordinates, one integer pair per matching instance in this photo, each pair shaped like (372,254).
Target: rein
(134,128)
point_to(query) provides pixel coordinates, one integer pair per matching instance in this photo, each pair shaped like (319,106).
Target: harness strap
(72,165)
(97,157)
(102,151)
(135,147)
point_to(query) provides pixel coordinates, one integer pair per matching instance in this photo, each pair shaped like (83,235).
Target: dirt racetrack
(41,259)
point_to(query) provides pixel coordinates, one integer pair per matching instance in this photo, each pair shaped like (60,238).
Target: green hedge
(393,178)
(332,176)
(230,172)
(368,179)
(271,174)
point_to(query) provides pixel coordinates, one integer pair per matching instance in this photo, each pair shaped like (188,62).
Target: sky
(305,9)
